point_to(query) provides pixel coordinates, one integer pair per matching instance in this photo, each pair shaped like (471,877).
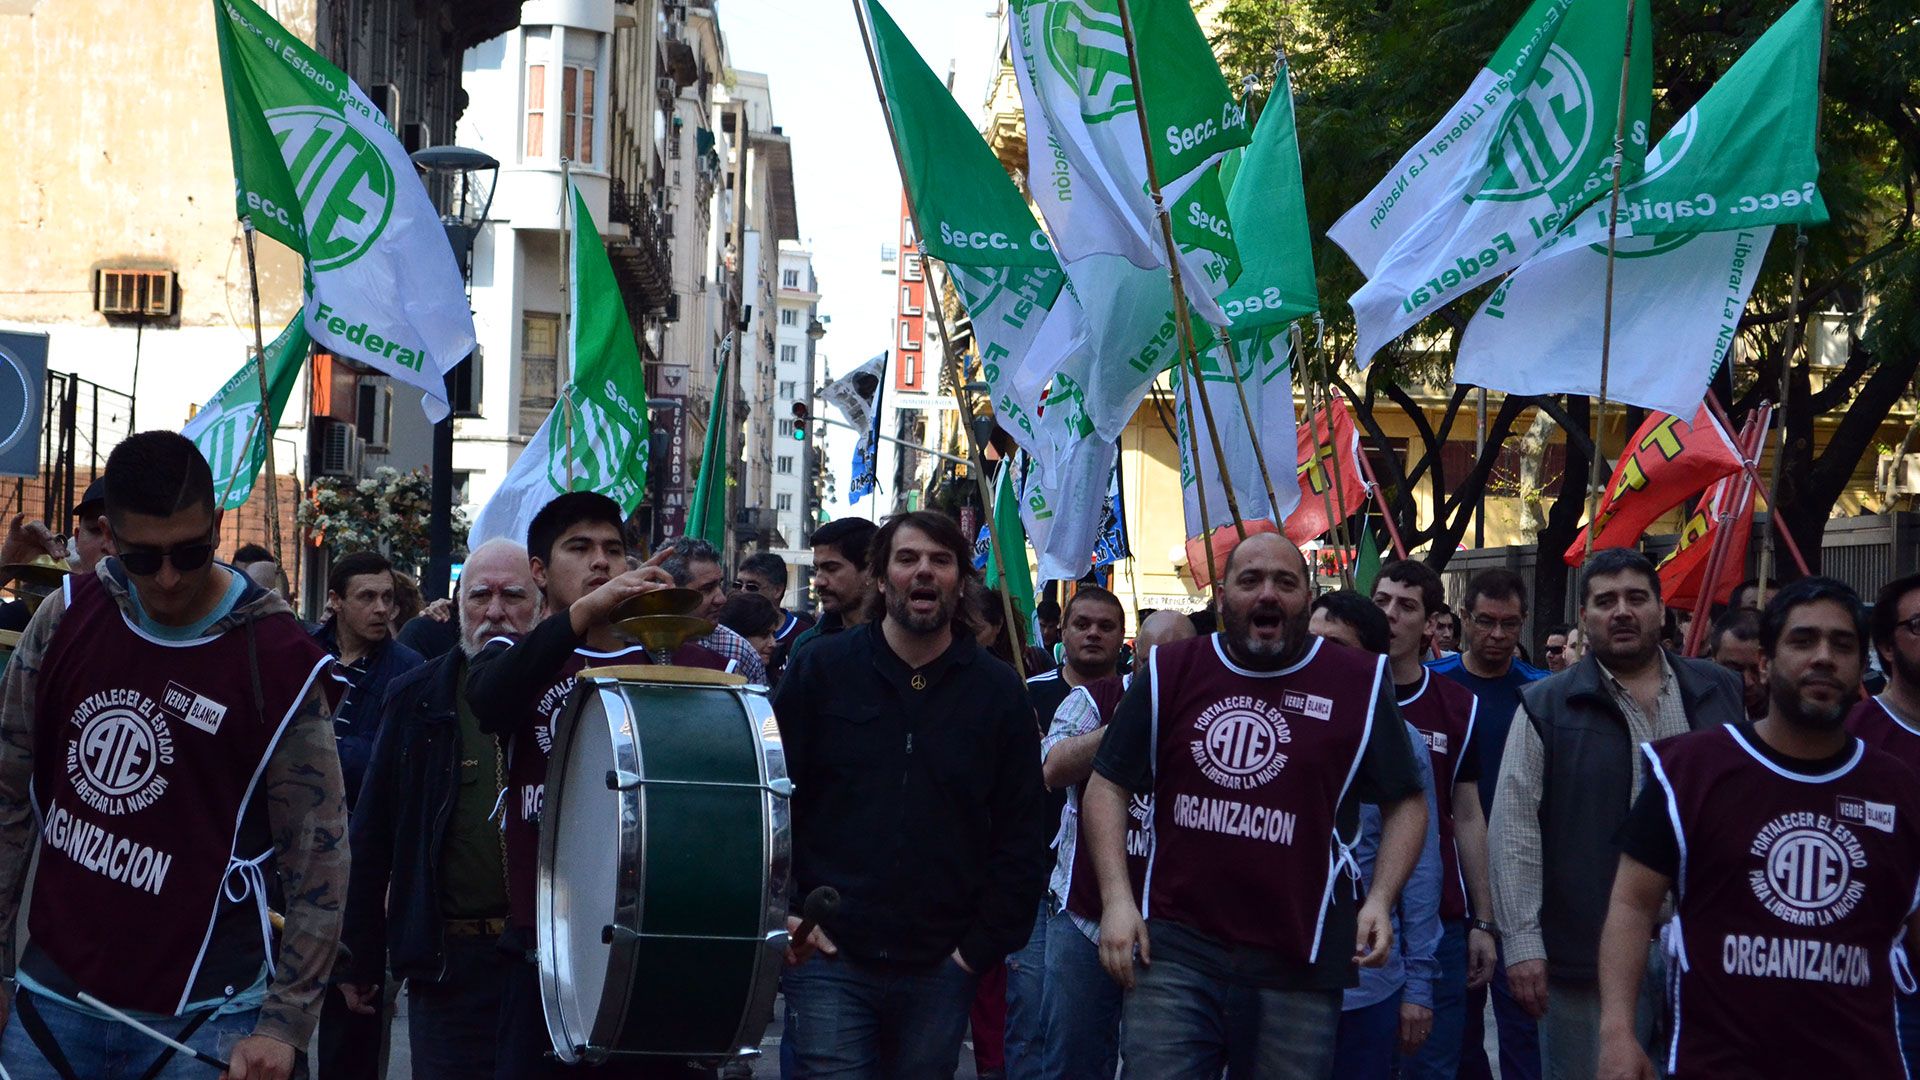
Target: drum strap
(42,1038)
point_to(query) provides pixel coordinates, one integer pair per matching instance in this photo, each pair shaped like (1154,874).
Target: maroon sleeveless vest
(1443,712)
(1873,722)
(1250,768)
(1791,898)
(527,751)
(1083,884)
(148,758)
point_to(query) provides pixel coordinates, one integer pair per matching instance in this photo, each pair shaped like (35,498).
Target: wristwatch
(1486,927)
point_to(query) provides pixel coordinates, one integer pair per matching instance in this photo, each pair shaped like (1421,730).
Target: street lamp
(462,217)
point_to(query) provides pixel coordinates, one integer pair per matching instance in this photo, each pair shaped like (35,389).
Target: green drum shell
(665,852)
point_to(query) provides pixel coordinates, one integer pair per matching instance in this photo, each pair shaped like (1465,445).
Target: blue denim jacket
(1416,919)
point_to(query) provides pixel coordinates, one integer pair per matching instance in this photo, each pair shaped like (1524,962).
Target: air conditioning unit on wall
(337,448)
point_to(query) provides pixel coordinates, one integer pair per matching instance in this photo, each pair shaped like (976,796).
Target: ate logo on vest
(1807,875)
(1238,742)
(114,761)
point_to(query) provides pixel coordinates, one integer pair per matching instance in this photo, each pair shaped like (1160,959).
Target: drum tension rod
(613,932)
(622,780)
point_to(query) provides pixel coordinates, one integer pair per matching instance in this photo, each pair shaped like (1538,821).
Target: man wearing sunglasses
(766,574)
(170,716)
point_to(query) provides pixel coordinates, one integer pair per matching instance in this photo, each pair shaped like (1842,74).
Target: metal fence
(84,422)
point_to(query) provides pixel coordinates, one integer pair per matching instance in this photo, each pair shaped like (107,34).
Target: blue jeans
(1369,1036)
(1026,995)
(452,1025)
(853,1021)
(1179,1024)
(1439,1057)
(1083,1007)
(98,1049)
(1519,1035)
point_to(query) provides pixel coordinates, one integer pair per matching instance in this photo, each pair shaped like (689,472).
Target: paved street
(400,1065)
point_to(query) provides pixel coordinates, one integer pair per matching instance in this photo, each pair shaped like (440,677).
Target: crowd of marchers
(1296,834)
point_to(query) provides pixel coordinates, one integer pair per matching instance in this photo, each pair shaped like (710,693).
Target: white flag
(1677,301)
(318,168)
(1266,372)
(1692,234)
(1440,167)
(1552,154)
(1086,163)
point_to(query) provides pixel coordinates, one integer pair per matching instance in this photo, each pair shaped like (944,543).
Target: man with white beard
(428,901)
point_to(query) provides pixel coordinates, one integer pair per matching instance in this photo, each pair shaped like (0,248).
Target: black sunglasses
(744,585)
(185,558)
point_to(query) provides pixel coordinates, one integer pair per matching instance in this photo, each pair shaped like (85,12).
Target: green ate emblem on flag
(600,447)
(1086,45)
(1548,133)
(343,182)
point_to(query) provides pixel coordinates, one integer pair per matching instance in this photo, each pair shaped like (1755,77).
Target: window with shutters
(536,138)
(539,368)
(576,99)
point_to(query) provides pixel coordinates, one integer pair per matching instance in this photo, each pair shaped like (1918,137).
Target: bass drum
(664,860)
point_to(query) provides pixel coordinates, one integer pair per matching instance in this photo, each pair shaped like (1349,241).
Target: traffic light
(800,418)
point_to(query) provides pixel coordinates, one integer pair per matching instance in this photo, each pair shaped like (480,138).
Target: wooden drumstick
(820,904)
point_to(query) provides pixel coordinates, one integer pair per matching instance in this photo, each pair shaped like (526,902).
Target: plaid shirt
(737,649)
(1516,850)
(1077,715)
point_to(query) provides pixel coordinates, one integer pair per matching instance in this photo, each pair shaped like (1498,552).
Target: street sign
(23,389)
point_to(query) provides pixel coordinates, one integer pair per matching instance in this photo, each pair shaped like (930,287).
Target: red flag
(1667,461)
(1225,539)
(1329,428)
(1683,573)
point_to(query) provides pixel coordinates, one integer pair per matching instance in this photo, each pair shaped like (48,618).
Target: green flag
(1005,272)
(317,167)
(707,517)
(596,437)
(1268,203)
(1743,157)
(968,207)
(1366,564)
(1088,166)
(1013,551)
(225,428)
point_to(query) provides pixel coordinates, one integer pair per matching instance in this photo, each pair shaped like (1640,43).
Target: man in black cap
(92,541)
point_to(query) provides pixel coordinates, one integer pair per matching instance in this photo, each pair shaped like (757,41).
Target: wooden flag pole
(266,401)
(1753,469)
(1613,235)
(950,363)
(1190,352)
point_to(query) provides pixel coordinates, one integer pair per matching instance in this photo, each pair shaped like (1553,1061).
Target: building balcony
(643,259)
